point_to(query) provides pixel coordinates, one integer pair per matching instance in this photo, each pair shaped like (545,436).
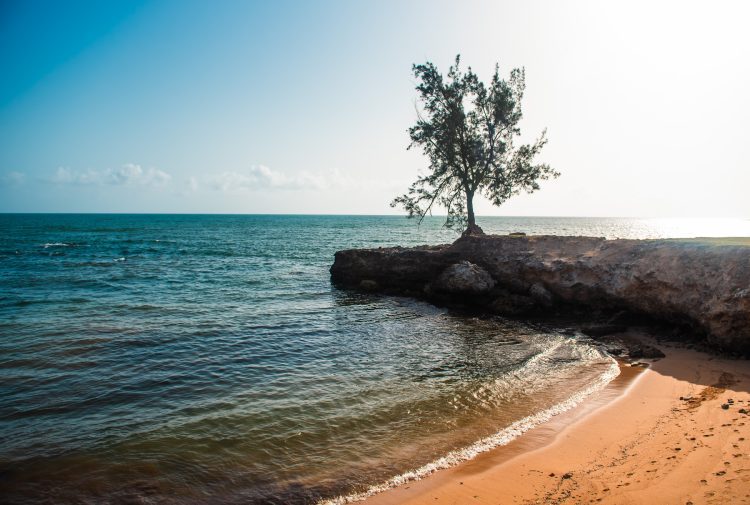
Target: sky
(184,106)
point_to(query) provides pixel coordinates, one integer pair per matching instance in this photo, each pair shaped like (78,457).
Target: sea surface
(208,359)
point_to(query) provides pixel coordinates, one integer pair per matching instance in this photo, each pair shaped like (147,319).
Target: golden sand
(636,442)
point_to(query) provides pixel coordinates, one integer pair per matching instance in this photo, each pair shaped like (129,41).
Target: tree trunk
(470,209)
(472,228)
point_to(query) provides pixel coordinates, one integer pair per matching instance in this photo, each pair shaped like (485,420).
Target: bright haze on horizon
(303,107)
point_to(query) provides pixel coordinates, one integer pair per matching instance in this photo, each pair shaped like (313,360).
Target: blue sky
(302,107)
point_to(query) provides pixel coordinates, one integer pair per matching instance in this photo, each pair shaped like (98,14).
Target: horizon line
(291,214)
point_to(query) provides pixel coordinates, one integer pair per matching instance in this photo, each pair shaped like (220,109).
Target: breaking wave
(502,437)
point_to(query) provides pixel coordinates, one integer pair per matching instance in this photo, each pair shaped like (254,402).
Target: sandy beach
(671,433)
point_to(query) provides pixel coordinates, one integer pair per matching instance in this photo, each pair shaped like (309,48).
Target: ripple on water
(168,358)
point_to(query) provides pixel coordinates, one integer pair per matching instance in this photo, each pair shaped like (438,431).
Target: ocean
(208,359)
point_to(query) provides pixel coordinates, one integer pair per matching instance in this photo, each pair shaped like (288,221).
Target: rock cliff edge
(701,284)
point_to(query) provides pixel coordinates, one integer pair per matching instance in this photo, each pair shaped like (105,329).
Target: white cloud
(187,186)
(261,177)
(126,175)
(12,179)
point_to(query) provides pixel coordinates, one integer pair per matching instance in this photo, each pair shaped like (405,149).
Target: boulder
(464,278)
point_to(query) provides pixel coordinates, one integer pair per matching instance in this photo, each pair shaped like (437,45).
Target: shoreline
(635,441)
(596,393)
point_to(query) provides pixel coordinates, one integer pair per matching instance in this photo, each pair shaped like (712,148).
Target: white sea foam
(56,244)
(502,437)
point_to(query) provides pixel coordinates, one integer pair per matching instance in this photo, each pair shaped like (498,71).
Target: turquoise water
(207,359)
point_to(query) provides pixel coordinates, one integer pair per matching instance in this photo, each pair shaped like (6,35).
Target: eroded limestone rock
(464,278)
(702,283)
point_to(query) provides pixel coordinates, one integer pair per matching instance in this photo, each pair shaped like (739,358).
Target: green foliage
(467,130)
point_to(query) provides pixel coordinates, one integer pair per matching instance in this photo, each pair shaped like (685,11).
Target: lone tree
(467,130)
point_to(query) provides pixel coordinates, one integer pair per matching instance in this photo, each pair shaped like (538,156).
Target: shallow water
(208,359)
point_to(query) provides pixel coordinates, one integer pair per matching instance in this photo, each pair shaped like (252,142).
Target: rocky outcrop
(700,283)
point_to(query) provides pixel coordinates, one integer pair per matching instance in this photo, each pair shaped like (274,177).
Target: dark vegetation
(468,131)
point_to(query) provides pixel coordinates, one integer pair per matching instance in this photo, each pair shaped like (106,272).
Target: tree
(467,130)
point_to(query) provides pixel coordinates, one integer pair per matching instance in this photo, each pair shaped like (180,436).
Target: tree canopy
(467,130)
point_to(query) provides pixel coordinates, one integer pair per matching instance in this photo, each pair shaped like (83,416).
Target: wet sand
(634,442)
